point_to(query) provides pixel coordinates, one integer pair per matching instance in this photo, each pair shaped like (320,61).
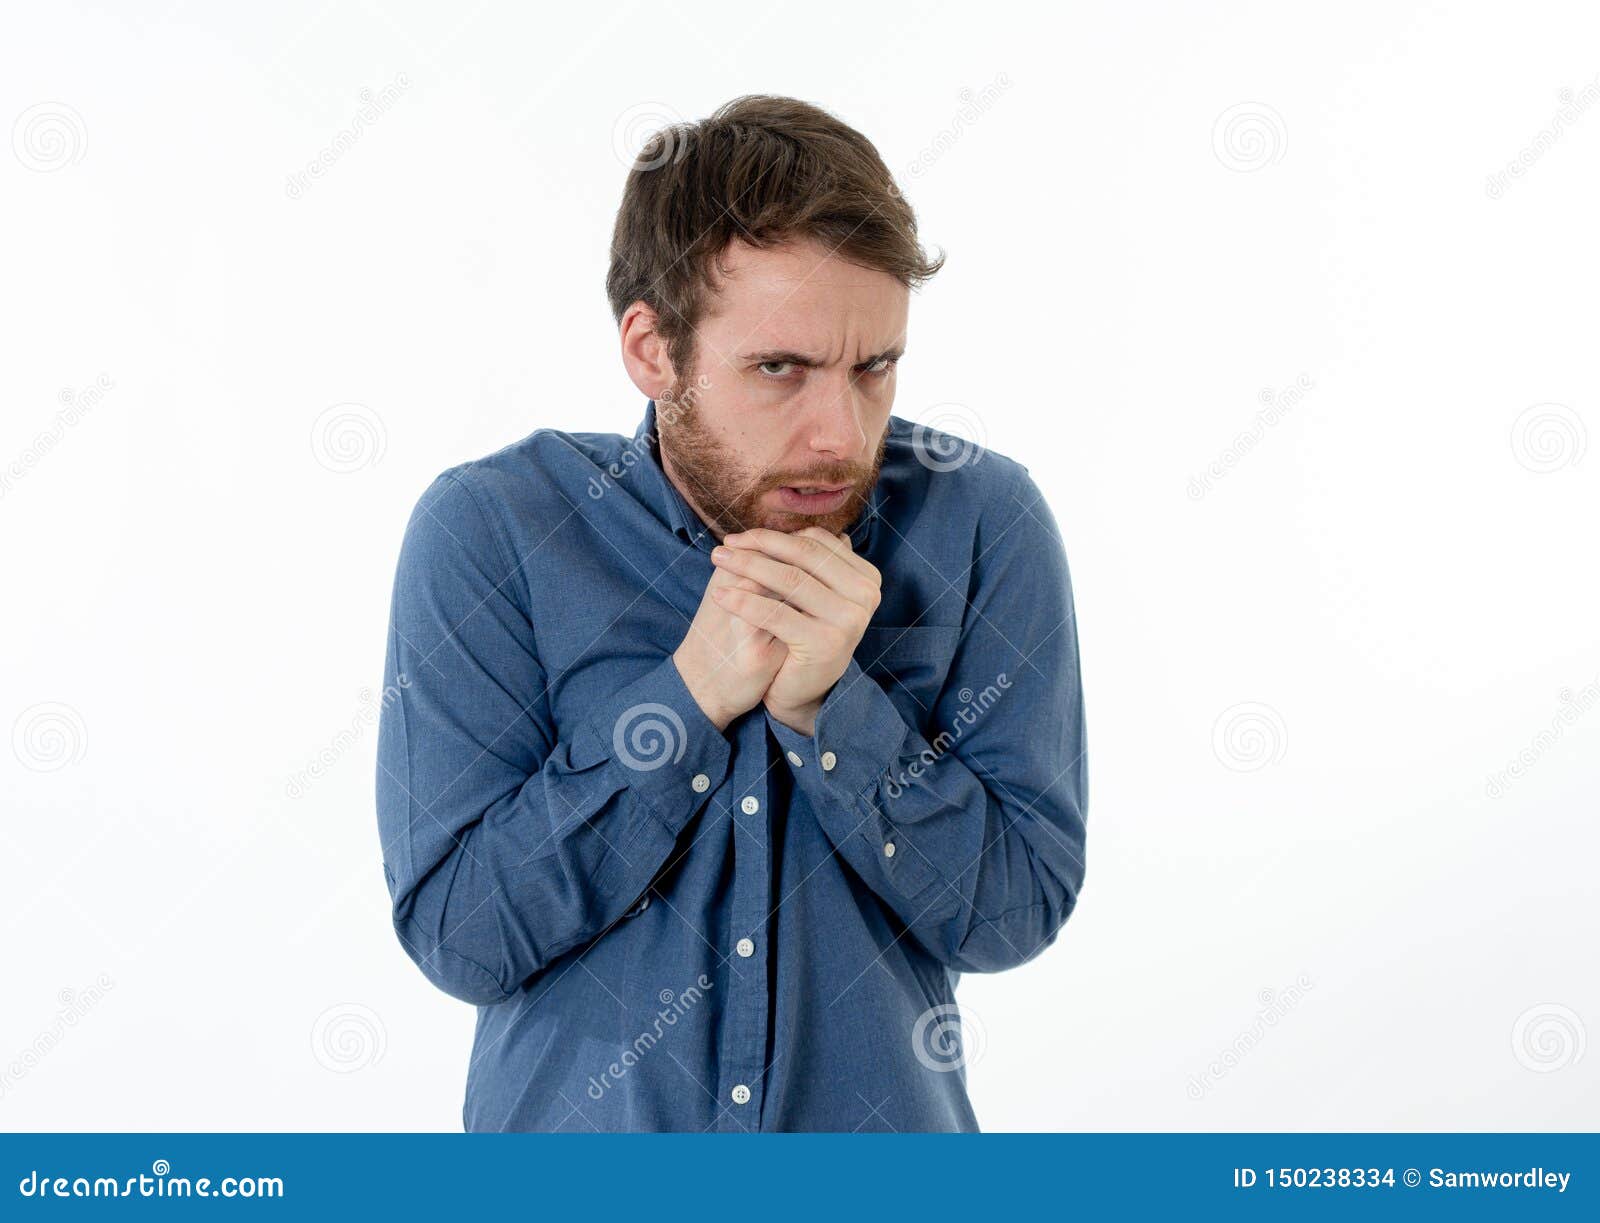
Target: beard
(729,495)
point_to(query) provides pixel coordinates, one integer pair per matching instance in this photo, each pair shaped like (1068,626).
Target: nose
(835,421)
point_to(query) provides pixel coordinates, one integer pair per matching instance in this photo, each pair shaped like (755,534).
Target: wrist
(704,694)
(802,719)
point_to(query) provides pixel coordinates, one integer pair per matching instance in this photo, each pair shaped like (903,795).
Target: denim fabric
(570,845)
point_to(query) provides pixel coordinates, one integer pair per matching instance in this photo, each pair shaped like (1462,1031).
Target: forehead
(802,294)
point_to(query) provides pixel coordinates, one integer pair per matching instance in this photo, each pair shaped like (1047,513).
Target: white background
(1395,576)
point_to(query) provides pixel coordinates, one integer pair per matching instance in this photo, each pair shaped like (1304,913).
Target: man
(722,751)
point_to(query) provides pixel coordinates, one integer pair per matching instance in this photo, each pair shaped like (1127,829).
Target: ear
(644,352)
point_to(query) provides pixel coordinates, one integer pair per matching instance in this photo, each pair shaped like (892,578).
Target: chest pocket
(910,664)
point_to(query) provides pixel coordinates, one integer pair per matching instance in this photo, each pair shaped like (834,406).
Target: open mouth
(813,498)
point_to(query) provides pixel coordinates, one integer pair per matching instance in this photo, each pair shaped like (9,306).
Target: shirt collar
(686,523)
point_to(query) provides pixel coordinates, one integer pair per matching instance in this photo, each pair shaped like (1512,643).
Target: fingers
(788,583)
(725,575)
(840,546)
(828,558)
(784,622)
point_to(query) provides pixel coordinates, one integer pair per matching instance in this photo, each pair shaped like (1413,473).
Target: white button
(741,1094)
(828,761)
(701,783)
(745,948)
(888,850)
(750,806)
(794,759)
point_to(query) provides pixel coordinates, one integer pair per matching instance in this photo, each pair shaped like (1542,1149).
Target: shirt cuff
(858,741)
(660,745)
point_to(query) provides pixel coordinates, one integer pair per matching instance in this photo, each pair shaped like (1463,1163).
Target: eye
(782,368)
(880,366)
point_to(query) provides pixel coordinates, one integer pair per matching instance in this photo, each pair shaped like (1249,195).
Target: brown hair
(763,169)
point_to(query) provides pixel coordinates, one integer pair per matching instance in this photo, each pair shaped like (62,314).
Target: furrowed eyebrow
(774,354)
(805,362)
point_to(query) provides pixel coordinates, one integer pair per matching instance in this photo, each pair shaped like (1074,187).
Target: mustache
(852,475)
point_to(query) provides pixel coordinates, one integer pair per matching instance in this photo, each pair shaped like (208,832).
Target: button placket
(746,1011)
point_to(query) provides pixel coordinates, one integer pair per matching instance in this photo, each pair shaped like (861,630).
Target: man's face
(783,420)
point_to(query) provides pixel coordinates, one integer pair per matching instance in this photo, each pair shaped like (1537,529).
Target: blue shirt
(668,927)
